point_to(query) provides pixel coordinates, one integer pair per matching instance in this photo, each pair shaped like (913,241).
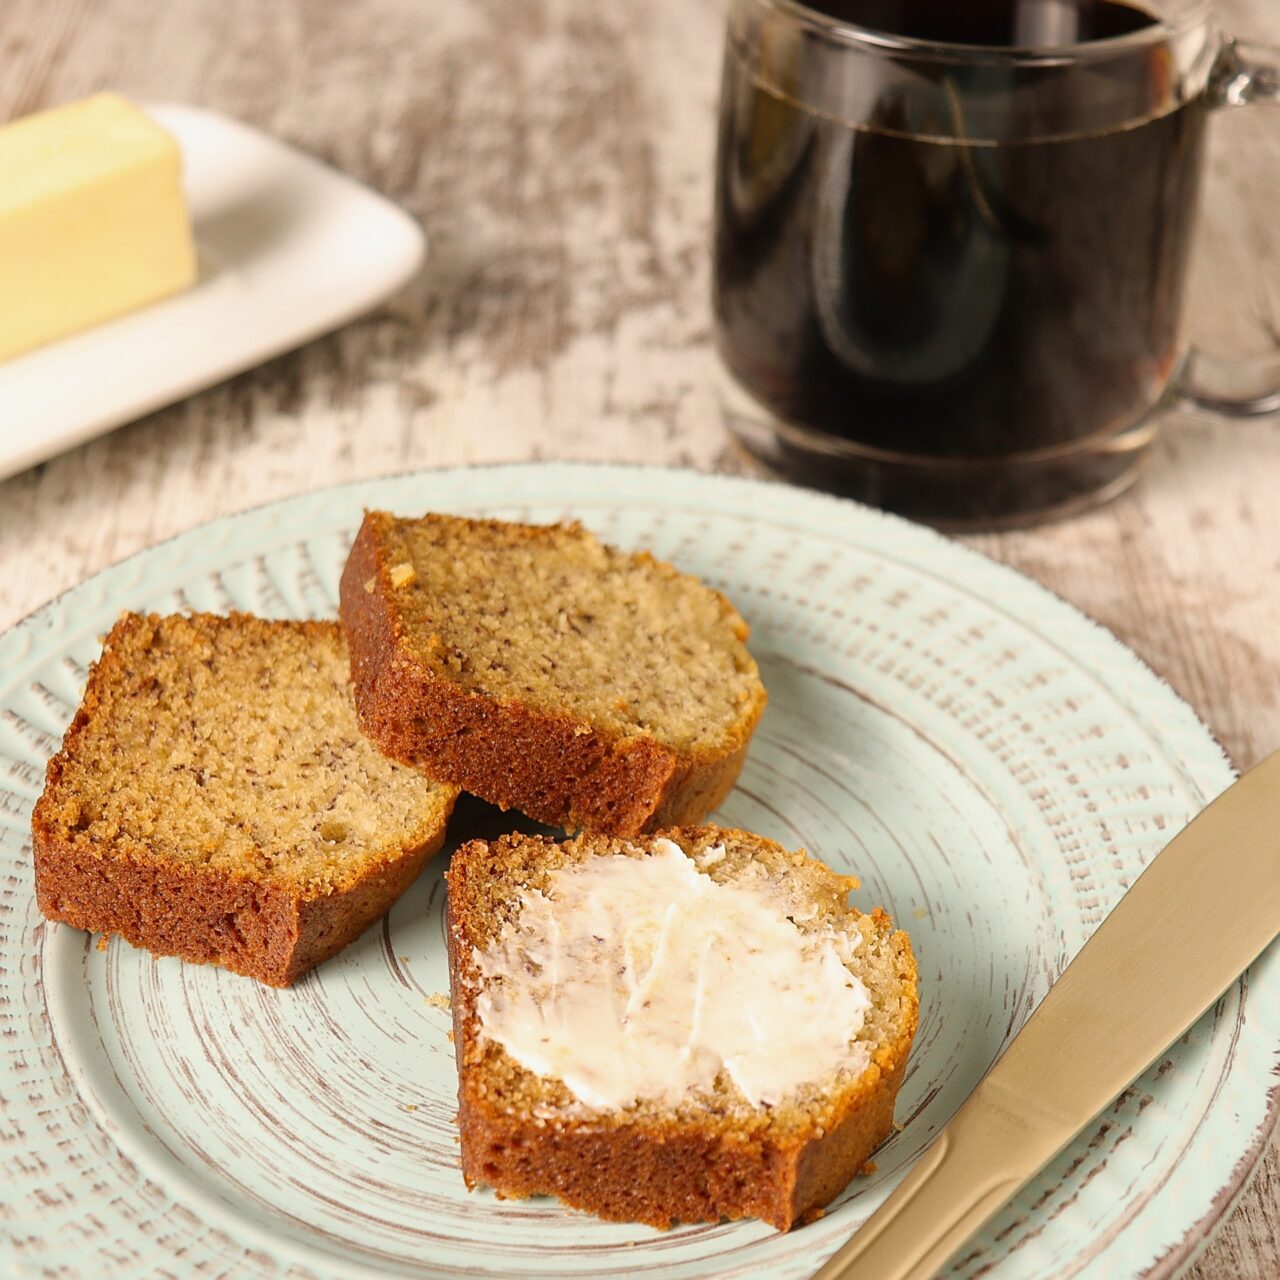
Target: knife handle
(994,1144)
(1157,962)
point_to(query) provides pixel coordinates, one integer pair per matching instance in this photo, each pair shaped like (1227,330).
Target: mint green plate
(994,766)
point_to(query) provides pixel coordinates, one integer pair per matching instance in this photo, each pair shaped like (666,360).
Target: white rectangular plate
(289,249)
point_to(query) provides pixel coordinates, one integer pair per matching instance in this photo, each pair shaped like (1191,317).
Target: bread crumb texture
(551,617)
(232,743)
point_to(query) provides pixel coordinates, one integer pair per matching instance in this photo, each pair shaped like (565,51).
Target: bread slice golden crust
(526,1135)
(214,800)
(525,748)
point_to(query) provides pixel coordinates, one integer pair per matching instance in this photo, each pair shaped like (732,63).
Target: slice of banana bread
(683,1027)
(544,671)
(215,800)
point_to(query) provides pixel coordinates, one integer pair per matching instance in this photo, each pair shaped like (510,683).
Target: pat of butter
(92,220)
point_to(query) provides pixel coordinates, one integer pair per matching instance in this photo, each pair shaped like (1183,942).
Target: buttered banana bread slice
(679,1027)
(544,671)
(215,800)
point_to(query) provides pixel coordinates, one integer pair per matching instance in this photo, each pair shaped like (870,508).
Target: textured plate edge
(1003,572)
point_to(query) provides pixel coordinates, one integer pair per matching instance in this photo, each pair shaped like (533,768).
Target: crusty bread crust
(678,1168)
(558,769)
(204,916)
(254,925)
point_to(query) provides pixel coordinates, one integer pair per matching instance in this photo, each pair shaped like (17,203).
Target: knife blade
(1199,914)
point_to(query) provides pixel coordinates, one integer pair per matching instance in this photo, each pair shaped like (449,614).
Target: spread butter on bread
(678,1027)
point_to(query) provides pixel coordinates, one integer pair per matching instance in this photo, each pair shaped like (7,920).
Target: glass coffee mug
(952,239)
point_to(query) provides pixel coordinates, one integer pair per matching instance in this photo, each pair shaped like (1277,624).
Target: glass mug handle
(1245,73)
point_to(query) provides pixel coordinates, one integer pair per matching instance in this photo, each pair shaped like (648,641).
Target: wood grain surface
(558,153)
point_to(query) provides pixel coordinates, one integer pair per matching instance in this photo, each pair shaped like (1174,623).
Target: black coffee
(951,299)
(1010,23)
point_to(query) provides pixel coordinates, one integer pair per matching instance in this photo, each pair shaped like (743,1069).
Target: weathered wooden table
(559,154)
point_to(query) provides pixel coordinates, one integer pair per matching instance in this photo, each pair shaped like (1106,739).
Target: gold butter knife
(1204,909)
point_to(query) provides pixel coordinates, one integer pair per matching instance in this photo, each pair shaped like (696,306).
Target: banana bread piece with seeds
(543,671)
(215,800)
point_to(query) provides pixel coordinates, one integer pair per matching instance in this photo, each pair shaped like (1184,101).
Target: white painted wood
(559,153)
